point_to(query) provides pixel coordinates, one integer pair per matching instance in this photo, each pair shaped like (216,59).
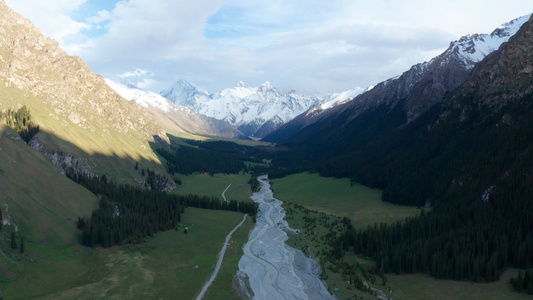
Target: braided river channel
(270,269)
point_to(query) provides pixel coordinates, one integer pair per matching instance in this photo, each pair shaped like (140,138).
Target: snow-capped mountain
(417,89)
(144,98)
(182,117)
(255,111)
(185,94)
(474,48)
(471,49)
(424,84)
(334,99)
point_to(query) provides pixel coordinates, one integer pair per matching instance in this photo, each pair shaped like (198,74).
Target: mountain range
(419,88)
(255,111)
(260,111)
(163,110)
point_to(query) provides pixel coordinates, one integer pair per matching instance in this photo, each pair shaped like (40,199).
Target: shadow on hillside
(124,168)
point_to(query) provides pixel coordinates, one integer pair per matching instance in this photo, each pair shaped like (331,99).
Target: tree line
(127,214)
(523,282)
(188,160)
(20,121)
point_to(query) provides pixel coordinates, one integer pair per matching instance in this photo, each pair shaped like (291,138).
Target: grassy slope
(335,196)
(54,266)
(41,201)
(107,151)
(44,206)
(364,207)
(422,287)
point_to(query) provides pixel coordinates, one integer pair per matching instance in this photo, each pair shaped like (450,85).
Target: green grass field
(213,186)
(364,207)
(422,287)
(335,196)
(171,265)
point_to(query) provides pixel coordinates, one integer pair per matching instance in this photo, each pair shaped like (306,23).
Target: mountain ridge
(255,111)
(183,117)
(420,87)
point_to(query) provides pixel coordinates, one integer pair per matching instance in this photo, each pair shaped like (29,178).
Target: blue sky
(312,46)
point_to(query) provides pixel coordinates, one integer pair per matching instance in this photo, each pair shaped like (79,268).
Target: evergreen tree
(13,241)
(21,244)
(1,220)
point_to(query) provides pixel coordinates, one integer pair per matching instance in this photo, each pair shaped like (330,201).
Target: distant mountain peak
(246,108)
(184,93)
(182,116)
(472,48)
(267,87)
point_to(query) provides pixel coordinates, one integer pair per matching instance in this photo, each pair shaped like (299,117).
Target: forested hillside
(470,158)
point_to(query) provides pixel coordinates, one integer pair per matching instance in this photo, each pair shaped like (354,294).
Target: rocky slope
(79,115)
(38,65)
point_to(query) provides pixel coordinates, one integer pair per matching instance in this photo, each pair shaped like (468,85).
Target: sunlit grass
(337,197)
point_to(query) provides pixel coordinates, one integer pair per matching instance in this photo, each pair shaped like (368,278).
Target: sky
(315,47)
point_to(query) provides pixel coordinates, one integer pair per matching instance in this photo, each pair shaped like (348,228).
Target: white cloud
(52,17)
(102,16)
(307,45)
(136,73)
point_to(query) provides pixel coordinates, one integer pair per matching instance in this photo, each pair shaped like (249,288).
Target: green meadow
(325,199)
(213,186)
(335,196)
(171,265)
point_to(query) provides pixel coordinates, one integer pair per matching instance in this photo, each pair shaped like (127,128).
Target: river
(273,269)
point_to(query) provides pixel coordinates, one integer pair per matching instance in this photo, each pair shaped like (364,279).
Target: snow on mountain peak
(144,98)
(184,93)
(247,108)
(474,48)
(267,87)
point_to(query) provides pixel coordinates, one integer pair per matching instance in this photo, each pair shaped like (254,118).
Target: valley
(418,187)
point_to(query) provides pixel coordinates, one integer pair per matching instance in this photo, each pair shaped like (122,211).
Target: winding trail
(220,258)
(224,193)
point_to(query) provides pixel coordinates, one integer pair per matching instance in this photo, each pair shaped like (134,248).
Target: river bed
(270,268)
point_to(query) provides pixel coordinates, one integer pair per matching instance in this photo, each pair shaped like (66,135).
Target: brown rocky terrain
(38,65)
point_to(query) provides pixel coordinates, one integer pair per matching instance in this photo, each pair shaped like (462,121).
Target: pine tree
(1,221)
(21,244)
(13,241)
